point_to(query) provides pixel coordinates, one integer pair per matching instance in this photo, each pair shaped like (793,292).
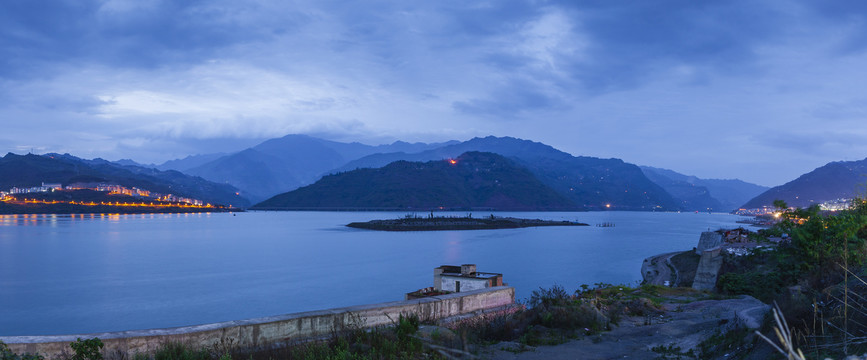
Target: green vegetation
(88,349)
(816,277)
(553,316)
(6,354)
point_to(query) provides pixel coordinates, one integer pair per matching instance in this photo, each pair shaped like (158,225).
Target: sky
(763,91)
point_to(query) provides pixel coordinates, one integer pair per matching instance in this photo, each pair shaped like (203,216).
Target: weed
(6,354)
(673,352)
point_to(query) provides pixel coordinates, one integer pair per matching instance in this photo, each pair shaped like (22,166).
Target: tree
(780,204)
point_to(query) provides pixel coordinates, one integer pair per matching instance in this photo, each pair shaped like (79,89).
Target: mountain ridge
(597,184)
(704,194)
(834,180)
(470,181)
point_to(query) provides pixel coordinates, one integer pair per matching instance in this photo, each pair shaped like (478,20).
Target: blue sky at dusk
(758,90)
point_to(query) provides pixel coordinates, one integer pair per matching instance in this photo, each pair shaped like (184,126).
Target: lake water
(62,274)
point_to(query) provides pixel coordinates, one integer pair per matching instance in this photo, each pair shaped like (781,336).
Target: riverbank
(434,223)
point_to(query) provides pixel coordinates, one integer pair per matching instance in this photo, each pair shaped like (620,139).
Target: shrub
(178,351)
(6,354)
(88,349)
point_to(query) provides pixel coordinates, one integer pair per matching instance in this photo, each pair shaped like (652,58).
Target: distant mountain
(31,170)
(703,194)
(596,184)
(283,164)
(189,162)
(835,180)
(130,162)
(474,180)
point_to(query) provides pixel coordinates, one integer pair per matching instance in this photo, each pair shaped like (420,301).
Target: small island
(432,223)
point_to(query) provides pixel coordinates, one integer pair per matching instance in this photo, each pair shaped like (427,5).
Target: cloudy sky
(759,90)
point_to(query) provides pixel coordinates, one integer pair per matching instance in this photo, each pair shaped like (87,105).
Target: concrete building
(464,278)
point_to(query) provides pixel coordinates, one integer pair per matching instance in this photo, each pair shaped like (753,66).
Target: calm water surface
(82,274)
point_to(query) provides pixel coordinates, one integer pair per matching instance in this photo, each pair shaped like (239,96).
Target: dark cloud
(852,14)
(632,41)
(511,102)
(37,34)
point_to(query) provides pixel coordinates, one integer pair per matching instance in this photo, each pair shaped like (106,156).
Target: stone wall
(708,240)
(262,331)
(708,269)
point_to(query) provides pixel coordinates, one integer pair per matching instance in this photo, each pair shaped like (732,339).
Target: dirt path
(682,325)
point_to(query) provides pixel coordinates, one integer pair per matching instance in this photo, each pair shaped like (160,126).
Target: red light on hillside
(453,161)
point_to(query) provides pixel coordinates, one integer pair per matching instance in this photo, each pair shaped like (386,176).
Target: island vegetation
(413,222)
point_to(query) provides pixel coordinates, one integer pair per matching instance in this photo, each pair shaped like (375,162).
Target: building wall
(263,331)
(467,284)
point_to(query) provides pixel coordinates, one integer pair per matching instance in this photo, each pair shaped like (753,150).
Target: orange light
(453,161)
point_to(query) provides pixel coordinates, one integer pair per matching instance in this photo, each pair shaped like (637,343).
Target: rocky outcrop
(682,326)
(708,240)
(708,269)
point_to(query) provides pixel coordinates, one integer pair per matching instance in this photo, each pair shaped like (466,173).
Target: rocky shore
(682,328)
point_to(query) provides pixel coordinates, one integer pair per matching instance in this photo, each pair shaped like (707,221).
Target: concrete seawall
(281,328)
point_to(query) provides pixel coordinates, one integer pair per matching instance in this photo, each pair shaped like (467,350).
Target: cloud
(636,80)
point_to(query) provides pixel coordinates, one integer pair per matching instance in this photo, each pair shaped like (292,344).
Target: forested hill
(474,180)
(835,180)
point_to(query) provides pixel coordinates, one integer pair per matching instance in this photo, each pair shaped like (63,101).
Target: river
(76,274)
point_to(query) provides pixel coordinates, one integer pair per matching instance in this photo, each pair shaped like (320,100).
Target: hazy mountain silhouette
(474,180)
(704,194)
(189,162)
(835,180)
(32,170)
(593,183)
(285,163)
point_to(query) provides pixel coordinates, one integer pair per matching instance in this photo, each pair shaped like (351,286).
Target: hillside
(283,164)
(474,180)
(835,180)
(703,194)
(31,170)
(593,183)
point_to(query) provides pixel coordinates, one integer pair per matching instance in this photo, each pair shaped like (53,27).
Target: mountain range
(695,194)
(282,164)
(31,170)
(286,163)
(472,180)
(835,180)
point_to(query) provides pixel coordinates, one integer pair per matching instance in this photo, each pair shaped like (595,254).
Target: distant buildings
(830,205)
(109,188)
(36,189)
